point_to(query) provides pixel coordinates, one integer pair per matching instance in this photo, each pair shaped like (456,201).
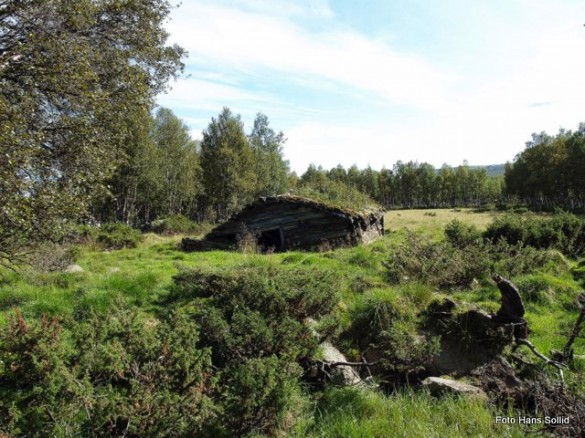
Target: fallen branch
(351,364)
(326,367)
(558,365)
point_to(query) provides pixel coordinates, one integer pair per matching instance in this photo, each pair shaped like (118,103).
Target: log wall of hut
(283,223)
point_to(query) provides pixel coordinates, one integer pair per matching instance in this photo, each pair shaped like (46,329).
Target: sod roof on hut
(285,222)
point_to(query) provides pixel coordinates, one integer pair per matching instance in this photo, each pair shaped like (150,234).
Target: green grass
(143,276)
(351,413)
(430,223)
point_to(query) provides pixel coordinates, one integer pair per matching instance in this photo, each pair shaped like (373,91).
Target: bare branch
(558,365)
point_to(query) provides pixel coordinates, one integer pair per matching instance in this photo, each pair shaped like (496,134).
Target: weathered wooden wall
(304,224)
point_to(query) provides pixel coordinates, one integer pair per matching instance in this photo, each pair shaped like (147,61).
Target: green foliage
(384,329)
(299,293)
(352,413)
(414,185)
(235,328)
(562,231)
(549,172)
(178,165)
(176,224)
(579,270)
(461,234)
(50,257)
(74,76)
(253,322)
(447,266)
(33,375)
(117,236)
(227,160)
(159,175)
(110,374)
(270,167)
(546,289)
(256,393)
(335,194)
(114,235)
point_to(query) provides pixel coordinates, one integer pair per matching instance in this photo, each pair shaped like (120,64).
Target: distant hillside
(492,169)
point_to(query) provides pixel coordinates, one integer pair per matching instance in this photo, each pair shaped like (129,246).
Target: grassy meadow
(143,278)
(432,221)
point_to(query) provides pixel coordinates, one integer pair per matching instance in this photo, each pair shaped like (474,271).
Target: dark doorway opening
(271,240)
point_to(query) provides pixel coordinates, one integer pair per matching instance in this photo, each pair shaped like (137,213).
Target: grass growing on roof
(338,195)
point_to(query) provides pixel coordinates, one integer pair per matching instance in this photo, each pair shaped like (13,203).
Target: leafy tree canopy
(72,75)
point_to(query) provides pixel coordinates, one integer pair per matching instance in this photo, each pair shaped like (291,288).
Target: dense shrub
(274,292)
(118,236)
(254,394)
(460,234)
(257,312)
(33,377)
(384,331)
(83,235)
(562,231)
(223,362)
(447,266)
(177,224)
(51,257)
(115,235)
(253,321)
(111,375)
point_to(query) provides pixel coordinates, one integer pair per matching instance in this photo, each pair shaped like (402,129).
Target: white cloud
(299,8)
(201,94)
(248,41)
(518,75)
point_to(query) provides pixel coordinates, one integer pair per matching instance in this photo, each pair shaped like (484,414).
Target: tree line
(166,173)
(415,185)
(550,172)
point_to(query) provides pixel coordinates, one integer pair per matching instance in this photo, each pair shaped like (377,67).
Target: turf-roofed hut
(285,222)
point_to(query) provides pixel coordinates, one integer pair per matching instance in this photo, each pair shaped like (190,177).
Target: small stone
(439,386)
(71,269)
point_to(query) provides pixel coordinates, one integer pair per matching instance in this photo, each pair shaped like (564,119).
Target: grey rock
(346,374)
(439,386)
(71,269)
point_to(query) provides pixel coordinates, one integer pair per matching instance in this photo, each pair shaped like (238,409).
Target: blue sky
(374,82)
